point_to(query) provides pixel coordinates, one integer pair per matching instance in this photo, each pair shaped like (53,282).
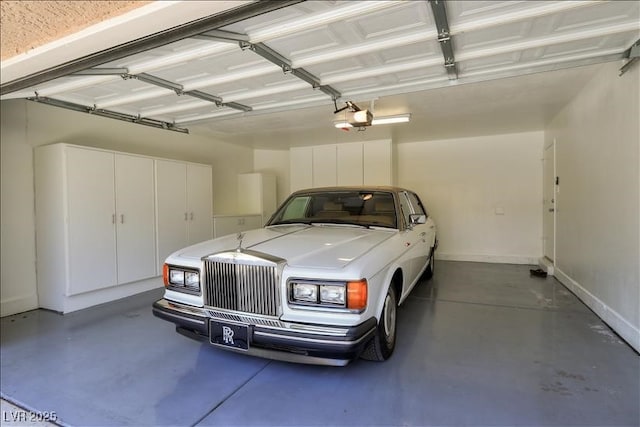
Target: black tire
(428,273)
(383,343)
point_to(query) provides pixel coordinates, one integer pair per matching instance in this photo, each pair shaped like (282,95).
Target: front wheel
(383,343)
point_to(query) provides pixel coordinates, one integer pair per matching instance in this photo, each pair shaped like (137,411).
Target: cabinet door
(91,220)
(250,193)
(135,234)
(300,168)
(324,166)
(199,194)
(171,211)
(350,171)
(378,162)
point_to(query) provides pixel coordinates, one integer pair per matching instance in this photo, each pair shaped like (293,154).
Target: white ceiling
(517,63)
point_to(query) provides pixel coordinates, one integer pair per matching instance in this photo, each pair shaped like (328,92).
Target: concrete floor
(480,344)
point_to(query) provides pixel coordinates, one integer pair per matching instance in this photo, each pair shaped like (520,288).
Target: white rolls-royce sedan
(320,283)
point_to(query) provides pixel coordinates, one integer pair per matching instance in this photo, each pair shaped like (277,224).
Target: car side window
(417,205)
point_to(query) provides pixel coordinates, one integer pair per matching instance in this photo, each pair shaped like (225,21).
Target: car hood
(316,246)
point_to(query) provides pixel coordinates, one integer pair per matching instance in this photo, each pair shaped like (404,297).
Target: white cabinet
(257,195)
(135,208)
(378,162)
(199,202)
(300,168)
(353,163)
(350,167)
(232,224)
(91,217)
(94,223)
(324,166)
(183,205)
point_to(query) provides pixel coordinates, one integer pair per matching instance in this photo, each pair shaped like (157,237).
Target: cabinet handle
(113,218)
(186,216)
(191,216)
(121,218)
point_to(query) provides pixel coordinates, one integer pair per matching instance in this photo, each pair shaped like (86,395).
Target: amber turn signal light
(357,295)
(165,274)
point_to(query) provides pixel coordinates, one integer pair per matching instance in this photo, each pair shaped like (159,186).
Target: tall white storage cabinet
(135,230)
(94,225)
(353,163)
(257,194)
(184,205)
(300,168)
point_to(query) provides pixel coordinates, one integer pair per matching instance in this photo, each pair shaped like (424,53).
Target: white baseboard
(496,259)
(629,332)
(19,304)
(90,299)
(547,265)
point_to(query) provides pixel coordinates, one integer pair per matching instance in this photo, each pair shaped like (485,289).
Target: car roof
(386,188)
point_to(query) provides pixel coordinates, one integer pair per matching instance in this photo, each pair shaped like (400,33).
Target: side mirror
(417,219)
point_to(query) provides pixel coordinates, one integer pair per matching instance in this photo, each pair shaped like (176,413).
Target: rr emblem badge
(227,335)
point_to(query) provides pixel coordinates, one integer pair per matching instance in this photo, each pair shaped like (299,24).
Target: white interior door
(199,194)
(91,219)
(135,218)
(171,212)
(549,200)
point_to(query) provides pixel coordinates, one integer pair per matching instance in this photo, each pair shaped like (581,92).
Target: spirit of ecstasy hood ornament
(240,236)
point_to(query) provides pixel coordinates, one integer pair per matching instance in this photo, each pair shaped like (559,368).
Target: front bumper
(292,342)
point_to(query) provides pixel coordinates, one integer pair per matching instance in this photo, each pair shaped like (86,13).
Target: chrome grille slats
(242,283)
(253,320)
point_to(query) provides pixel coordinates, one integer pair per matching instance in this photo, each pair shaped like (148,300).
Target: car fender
(385,282)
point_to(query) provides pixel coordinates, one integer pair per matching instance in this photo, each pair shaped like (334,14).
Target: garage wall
(598,206)
(17,227)
(26,125)
(485,194)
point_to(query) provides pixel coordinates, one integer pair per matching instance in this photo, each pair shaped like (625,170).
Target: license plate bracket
(229,334)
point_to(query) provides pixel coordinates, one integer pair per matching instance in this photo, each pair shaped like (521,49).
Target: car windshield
(361,208)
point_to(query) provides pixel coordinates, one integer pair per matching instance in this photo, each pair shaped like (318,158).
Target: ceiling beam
(444,37)
(143,44)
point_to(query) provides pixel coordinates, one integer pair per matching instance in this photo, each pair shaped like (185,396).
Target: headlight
(332,294)
(304,292)
(181,279)
(351,295)
(176,277)
(192,279)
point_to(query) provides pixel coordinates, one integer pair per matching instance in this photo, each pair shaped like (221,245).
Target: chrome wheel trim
(389,317)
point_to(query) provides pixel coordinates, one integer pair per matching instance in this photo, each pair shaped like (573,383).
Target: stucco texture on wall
(25,25)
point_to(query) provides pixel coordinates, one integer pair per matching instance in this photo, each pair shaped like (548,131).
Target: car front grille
(246,288)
